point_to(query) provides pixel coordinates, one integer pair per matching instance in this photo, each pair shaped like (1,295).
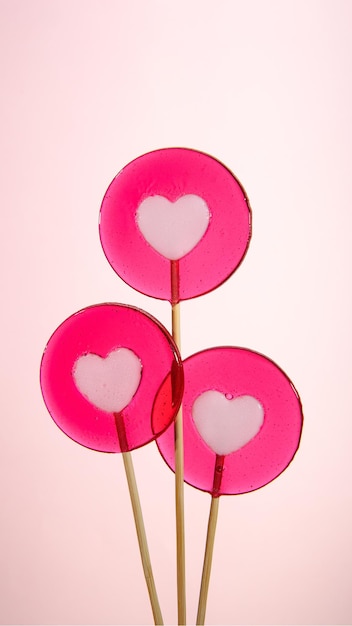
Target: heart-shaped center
(109,383)
(173,228)
(227,424)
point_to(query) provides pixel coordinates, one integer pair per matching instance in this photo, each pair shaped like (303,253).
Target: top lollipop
(175,224)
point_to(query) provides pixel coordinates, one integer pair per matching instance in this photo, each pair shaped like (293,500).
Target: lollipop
(242,427)
(175,224)
(112,380)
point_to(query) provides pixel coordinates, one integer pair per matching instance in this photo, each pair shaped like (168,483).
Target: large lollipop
(242,427)
(112,379)
(175,224)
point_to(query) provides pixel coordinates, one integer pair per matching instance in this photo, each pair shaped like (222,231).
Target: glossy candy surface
(111,377)
(175,223)
(242,421)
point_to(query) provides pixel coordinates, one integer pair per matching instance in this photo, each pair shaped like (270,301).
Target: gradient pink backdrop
(264,86)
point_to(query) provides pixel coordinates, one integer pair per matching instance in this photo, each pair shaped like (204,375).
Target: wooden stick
(209,546)
(142,539)
(179,492)
(138,517)
(179,484)
(208,557)
(180,528)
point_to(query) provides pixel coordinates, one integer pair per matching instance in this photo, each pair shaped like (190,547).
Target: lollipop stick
(209,546)
(208,556)
(138,519)
(180,532)
(179,492)
(142,539)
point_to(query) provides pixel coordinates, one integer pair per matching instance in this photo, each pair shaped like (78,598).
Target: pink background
(88,85)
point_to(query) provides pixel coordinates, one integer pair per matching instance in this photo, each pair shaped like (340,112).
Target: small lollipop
(112,380)
(175,224)
(242,427)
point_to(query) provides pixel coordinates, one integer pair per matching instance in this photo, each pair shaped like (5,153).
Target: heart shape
(173,228)
(109,383)
(227,424)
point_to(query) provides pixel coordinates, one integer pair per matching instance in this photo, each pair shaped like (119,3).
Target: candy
(242,421)
(112,380)
(111,377)
(175,223)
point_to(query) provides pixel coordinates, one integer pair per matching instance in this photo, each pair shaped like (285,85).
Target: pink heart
(227,424)
(109,383)
(173,228)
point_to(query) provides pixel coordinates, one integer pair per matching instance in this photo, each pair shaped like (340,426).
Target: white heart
(227,424)
(109,383)
(173,228)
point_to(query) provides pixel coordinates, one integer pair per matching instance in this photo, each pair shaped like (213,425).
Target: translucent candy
(242,421)
(175,224)
(112,377)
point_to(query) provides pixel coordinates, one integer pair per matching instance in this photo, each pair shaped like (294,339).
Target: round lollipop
(242,427)
(175,224)
(112,380)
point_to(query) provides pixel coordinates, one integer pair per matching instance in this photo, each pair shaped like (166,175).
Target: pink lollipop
(112,379)
(175,224)
(242,427)
(104,368)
